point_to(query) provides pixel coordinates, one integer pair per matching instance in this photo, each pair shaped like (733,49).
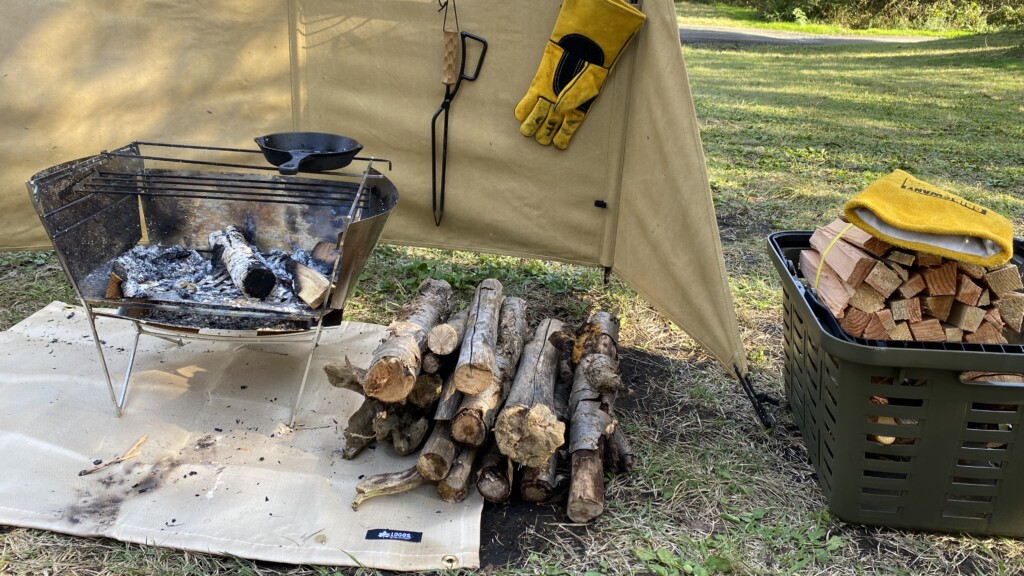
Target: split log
(477,412)
(444,338)
(912,286)
(855,322)
(1004,280)
(309,285)
(494,480)
(860,238)
(830,287)
(967,291)
(475,368)
(883,279)
(928,330)
(941,280)
(925,260)
(901,258)
(455,486)
(1011,308)
(850,263)
(438,453)
(247,270)
(325,254)
(387,483)
(527,429)
(396,362)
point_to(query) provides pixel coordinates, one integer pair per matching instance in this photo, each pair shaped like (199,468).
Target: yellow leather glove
(588,38)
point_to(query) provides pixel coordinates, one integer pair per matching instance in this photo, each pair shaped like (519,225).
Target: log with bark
(396,362)
(445,338)
(474,419)
(494,479)
(247,270)
(527,429)
(596,385)
(455,486)
(438,453)
(475,368)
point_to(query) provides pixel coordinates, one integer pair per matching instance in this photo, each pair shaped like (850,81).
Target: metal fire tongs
(451,83)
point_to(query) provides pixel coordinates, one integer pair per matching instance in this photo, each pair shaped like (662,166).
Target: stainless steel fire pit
(149,194)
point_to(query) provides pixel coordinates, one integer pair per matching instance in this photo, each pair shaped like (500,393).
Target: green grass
(789,133)
(728,16)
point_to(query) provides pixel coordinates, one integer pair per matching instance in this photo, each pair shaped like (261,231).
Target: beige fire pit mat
(218,471)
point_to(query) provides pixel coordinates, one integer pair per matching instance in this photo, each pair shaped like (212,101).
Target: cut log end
(389,380)
(529,436)
(470,379)
(469,428)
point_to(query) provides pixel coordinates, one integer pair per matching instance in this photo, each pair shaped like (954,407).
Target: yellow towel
(915,215)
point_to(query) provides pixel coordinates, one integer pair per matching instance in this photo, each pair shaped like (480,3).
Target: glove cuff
(606,26)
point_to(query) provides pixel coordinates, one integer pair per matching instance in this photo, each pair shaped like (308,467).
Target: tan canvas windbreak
(92,74)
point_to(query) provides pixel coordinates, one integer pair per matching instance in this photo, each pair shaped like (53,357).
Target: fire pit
(153,233)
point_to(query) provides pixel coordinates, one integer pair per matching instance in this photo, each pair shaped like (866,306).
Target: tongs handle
(451,39)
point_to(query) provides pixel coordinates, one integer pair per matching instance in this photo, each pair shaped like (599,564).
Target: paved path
(711,34)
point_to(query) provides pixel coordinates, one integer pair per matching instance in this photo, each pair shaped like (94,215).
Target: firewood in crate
(937,307)
(886,420)
(596,385)
(455,486)
(1003,280)
(396,362)
(387,484)
(953,334)
(829,287)
(902,258)
(967,291)
(912,286)
(941,280)
(928,330)
(908,309)
(850,263)
(527,429)
(860,238)
(1011,308)
(446,337)
(967,318)
(855,322)
(494,479)
(973,271)
(247,270)
(475,368)
(867,299)
(476,413)
(925,260)
(883,279)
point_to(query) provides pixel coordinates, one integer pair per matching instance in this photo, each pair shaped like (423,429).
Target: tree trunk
(475,417)
(475,368)
(396,362)
(247,270)
(527,430)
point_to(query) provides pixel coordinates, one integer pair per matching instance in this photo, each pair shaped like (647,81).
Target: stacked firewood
(878,292)
(489,403)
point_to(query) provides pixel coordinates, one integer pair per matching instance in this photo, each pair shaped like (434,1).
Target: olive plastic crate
(957,464)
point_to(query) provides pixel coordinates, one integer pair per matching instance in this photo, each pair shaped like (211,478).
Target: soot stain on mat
(101,503)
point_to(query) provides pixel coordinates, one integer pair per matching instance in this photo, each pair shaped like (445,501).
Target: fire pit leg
(305,374)
(118,404)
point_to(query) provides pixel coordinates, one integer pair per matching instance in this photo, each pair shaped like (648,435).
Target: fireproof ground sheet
(218,470)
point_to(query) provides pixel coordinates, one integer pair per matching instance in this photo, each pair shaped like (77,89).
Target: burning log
(527,430)
(475,368)
(309,285)
(475,417)
(455,486)
(494,480)
(247,270)
(444,338)
(596,384)
(387,483)
(396,362)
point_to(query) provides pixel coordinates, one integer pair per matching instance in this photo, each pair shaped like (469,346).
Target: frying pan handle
(291,167)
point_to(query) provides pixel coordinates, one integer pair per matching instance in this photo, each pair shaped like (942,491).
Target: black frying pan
(292,152)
